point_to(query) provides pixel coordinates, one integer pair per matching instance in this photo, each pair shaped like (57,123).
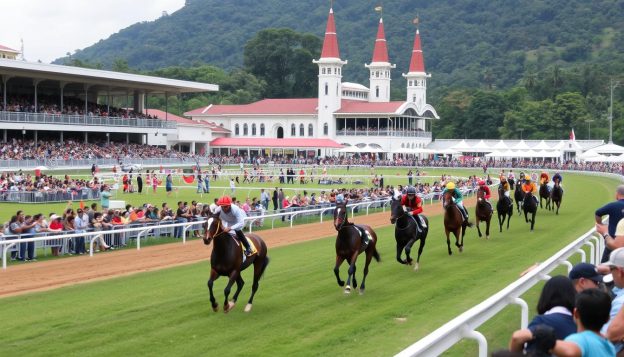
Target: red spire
(417,63)
(380,53)
(330,44)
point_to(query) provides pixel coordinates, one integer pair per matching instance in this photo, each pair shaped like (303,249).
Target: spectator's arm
(615,332)
(519,338)
(567,349)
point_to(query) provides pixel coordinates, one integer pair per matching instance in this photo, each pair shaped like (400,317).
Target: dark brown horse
(544,193)
(556,196)
(227,260)
(529,206)
(406,233)
(483,213)
(453,222)
(351,241)
(504,208)
(519,196)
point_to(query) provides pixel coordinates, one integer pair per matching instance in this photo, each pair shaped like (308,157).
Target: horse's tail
(264,265)
(376,255)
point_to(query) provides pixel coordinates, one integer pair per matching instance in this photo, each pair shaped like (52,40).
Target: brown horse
(483,212)
(544,193)
(556,196)
(227,260)
(351,241)
(453,222)
(519,196)
(406,233)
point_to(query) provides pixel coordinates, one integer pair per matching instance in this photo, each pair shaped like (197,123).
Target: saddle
(364,235)
(242,247)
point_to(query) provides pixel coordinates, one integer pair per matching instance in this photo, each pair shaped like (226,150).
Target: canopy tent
(542,146)
(349,149)
(609,148)
(481,146)
(599,158)
(412,151)
(521,145)
(449,151)
(500,145)
(615,158)
(461,146)
(589,154)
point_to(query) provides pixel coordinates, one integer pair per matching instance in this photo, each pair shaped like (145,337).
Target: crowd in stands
(71,106)
(17,149)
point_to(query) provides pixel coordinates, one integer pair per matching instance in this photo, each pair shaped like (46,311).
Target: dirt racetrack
(36,276)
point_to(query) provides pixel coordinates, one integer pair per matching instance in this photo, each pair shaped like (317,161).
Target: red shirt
(486,189)
(415,205)
(56,225)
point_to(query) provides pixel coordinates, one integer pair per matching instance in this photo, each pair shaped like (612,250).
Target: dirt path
(36,276)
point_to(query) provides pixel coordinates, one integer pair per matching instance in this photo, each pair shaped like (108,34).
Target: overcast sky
(51,28)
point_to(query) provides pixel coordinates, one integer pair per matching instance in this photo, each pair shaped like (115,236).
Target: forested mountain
(526,68)
(467,43)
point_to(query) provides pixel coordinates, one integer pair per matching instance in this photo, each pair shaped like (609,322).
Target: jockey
(233,220)
(544,179)
(413,203)
(529,187)
(486,189)
(557,179)
(457,198)
(504,185)
(521,178)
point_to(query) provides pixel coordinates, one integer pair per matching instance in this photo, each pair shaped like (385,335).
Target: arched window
(325,129)
(245,130)
(310,130)
(377,92)
(253,129)
(261,129)
(236,130)
(326,89)
(293,130)
(301,130)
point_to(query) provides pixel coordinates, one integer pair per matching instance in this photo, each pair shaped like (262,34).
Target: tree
(283,59)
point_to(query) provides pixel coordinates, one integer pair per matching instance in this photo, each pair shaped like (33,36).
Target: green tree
(485,115)
(283,59)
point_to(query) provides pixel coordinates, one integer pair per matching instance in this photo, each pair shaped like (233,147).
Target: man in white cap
(616,265)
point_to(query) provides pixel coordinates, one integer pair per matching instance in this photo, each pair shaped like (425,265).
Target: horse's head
(447,198)
(340,215)
(396,209)
(214,227)
(480,193)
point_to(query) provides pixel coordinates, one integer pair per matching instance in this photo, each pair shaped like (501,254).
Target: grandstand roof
(181,120)
(7,49)
(107,80)
(275,143)
(262,107)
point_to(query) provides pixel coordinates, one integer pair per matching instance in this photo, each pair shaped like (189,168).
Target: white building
(343,113)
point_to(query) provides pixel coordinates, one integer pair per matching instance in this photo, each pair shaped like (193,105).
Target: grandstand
(61,103)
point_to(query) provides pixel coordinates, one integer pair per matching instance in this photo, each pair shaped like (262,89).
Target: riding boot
(418,224)
(241,238)
(421,222)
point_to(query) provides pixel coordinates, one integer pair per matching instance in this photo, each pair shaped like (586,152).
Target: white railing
(465,325)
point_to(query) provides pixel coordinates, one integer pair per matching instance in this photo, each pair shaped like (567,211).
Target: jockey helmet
(224,201)
(481,183)
(522,175)
(411,190)
(450,185)
(340,198)
(527,178)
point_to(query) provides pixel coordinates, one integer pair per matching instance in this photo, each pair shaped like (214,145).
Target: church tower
(329,79)
(416,77)
(380,68)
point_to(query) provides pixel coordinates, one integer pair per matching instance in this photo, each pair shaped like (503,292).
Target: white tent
(615,158)
(521,146)
(461,146)
(589,154)
(500,145)
(599,158)
(542,146)
(481,146)
(548,153)
(349,149)
(446,151)
(412,151)
(609,148)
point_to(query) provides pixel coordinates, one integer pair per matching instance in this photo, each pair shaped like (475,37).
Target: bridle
(209,223)
(343,221)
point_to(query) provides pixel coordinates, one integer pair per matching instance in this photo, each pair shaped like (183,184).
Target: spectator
(168,184)
(615,211)
(616,265)
(104,197)
(81,223)
(590,313)
(56,226)
(585,276)
(139,180)
(554,307)
(275,198)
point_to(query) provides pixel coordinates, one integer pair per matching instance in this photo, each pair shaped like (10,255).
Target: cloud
(51,28)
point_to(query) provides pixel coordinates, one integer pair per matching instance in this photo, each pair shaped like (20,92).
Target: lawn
(299,309)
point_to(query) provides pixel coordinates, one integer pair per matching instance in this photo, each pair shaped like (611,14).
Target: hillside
(467,43)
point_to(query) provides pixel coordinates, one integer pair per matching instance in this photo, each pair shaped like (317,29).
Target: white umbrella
(610,148)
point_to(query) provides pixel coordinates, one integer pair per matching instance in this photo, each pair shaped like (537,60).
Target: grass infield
(299,308)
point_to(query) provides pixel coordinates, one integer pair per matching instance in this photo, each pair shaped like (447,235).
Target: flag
(572,136)
(188,175)
(378,8)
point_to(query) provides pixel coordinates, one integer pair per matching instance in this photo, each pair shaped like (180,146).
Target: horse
(453,222)
(556,195)
(227,260)
(519,196)
(504,208)
(406,233)
(349,245)
(511,183)
(483,213)
(544,193)
(529,206)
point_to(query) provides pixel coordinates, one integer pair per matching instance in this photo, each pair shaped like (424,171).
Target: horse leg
(408,250)
(229,305)
(526,217)
(478,228)
(339,261)
(369,256)
(448,241)
(487,228)
(463,233)
(239,286)
(509,218)
(532,221)
(399,250)
(420,250)
(259,267)
(351,273)
(213,276)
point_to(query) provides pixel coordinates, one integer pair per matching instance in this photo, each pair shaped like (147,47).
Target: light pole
(521,131)
(589,121)
(612,86)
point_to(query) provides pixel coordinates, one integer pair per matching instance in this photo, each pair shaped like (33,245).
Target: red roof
(354,106)
(6,49)
(178,119)
(380,53)
(262,107)
(275,143)
(417,63)
(330,44)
